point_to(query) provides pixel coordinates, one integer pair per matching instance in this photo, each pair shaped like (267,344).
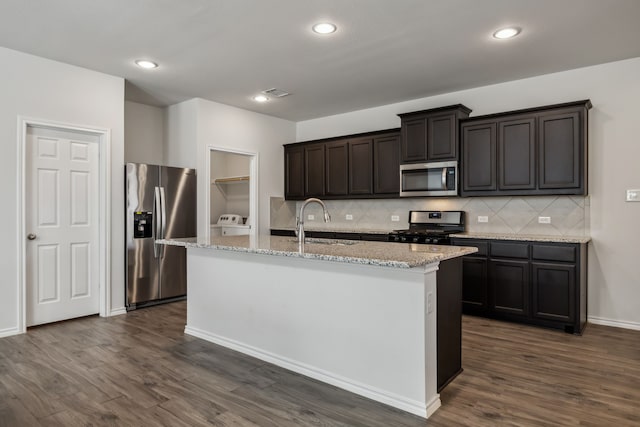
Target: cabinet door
(554,291)
(441,140)
(517,154)
(361,166)
(474,285)
(314,170)
(509,287)
(479,157)
(414,139)
(337,168)
(560,151)
(294,172)
(386,165)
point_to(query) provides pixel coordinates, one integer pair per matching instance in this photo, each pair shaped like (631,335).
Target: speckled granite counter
(525,237)
(383,254)
(335,230)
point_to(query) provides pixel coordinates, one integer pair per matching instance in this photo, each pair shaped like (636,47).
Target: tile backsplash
(514,215)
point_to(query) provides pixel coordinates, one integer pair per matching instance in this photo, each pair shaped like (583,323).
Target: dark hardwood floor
(140,369)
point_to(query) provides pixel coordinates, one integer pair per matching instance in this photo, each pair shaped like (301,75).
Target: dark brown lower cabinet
(554,291)
(509,287)
(540,283)
(474,292)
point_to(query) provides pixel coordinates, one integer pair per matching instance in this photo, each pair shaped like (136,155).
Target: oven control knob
(416,239)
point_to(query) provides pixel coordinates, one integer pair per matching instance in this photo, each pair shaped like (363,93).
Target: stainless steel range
(432,227)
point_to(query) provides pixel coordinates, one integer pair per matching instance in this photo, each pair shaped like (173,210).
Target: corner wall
(195,125)
(143,133)
(42,89)
(614,89)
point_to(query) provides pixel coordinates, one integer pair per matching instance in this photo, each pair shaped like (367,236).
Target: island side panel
(362,328)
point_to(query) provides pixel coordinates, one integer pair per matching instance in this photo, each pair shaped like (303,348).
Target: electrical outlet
(311,217)
(348,217)
(483,219)
(633,195)
(544,220)
(395,218)
(430,302)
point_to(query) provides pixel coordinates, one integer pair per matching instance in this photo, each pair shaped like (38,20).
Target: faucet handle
(297,225)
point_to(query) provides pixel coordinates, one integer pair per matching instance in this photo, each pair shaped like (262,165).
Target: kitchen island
(358,315)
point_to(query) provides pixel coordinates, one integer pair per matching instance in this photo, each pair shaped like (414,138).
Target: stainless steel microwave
(429,179)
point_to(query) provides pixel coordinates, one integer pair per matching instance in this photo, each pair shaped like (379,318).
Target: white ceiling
(385,51)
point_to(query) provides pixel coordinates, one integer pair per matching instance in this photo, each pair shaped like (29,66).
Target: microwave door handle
(444,178)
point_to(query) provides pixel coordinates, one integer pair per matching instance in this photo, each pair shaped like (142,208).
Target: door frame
(104,210)
(253,187)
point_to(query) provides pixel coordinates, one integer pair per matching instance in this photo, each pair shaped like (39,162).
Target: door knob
(31,236)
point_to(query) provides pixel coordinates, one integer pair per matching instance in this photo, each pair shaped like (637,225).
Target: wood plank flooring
(140,369)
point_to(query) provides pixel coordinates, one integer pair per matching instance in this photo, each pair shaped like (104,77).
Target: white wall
(231,128)
(143,133)
(181,134)
(47,90)
(614,150)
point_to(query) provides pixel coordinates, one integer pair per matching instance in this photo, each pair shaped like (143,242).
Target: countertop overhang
(524,237)
(382,254)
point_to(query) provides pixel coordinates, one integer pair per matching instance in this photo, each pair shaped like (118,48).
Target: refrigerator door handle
(156,221)
(163,219)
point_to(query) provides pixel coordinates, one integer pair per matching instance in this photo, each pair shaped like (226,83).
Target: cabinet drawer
(510,250)
(554,253)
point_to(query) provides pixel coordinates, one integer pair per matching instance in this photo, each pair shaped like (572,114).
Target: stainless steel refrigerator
(160,203)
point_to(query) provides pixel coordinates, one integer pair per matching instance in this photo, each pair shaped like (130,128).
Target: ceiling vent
(278,93)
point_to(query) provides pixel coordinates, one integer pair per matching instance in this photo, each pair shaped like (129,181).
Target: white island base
(367,329)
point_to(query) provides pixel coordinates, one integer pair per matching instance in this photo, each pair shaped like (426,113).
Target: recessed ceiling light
(324,28)
(507,33)
(260,98)
(146,64)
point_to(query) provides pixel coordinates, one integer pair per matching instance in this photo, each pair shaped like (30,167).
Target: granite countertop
(335,230)
(527,237)
(383,254)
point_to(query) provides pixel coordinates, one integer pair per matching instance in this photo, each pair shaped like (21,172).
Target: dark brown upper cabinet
(314,170)
(479,157)
(361,166)
(561,149)
(294,172)
(337,168)
(517,154)
(386,165)
(355,166)
(431,135)
(538,151)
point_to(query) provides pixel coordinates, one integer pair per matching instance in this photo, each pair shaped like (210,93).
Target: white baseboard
(415,407)
(118,311)
(8,332)
(615,323)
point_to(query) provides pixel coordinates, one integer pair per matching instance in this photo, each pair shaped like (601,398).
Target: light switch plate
(395,218)
(348,217)
(483,218)
(633,195)
(311,217)
(544,220)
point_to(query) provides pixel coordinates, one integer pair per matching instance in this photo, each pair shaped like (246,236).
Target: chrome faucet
(300,219)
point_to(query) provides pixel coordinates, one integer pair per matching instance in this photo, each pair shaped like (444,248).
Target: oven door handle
(444,178)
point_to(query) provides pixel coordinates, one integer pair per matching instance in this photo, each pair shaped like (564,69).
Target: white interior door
(62,225)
